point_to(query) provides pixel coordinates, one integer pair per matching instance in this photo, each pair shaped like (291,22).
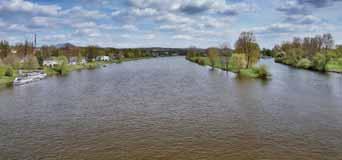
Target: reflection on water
(168,108)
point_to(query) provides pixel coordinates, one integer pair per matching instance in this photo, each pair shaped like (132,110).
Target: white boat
(22,80)
(37,75)
(29,77)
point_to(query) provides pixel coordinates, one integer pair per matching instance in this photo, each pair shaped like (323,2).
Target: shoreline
(6,82)
(245,73)
(308,69)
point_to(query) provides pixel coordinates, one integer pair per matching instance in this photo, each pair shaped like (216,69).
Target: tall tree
(246,44)
(213,56)
(328,41)
(5,49)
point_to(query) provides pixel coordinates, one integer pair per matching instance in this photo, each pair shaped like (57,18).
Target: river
(169,108)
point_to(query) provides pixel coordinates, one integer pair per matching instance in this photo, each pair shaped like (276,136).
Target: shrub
(2,71)
(201,61)
(304,63)
(9,72)
(319,62)
(263,71)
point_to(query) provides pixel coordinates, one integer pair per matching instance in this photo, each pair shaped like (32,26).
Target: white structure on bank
(102,58)
(50,62)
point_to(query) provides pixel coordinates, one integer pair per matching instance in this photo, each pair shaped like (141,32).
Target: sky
(167,23)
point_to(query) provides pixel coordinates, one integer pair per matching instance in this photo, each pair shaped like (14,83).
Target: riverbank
(334,66)
(8,80)
(255,72)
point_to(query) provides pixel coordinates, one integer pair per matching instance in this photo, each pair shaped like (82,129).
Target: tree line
(317,53)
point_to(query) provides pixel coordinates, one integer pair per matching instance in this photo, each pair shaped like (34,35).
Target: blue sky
(167,23)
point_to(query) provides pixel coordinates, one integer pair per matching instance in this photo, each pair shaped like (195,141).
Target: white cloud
(130,27)
(182,37)
(29,7)
(144,12)
(288,28)
(150,36)
(18,27)
(116,13)
(194,6)
(79,12)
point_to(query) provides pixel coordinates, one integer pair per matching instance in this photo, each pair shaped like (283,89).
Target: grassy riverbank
(6,78)
(315,65)
(54,71)
(254,72)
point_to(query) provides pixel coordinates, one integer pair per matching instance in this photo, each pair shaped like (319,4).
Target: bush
(319,62)
(201,61)
(9,72)
(2,70)
(263,71)
(304,63)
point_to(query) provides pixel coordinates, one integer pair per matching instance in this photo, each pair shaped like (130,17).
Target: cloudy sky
(166,23)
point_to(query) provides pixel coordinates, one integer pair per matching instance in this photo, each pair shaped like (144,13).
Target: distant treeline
(23,49)
(316,53)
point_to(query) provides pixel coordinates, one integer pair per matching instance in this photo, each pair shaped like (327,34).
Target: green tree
(5,49)
(213,56)
(191,52)
(92,52)
(319,62)
(238,61)
(9,72)
(79,58)
(246,44)
(62,68)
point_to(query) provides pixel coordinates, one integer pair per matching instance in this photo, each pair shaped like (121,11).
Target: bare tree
(328,41)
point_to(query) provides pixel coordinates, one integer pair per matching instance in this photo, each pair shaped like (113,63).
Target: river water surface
(168,108)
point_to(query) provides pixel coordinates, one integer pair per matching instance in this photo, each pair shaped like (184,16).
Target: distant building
(50,62)
(102,58)
(13,51)
(83,61)
(73,60)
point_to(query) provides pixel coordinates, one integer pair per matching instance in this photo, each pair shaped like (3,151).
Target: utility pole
(35,40)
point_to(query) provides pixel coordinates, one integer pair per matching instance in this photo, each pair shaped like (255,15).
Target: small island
(243,60)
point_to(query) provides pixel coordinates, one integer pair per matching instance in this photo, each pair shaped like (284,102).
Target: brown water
(168,108)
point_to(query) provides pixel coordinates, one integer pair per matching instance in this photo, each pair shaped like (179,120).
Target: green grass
(129,59)
(334,66)
(249,73)
(4,80)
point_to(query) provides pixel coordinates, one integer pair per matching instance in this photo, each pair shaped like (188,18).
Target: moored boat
(29,77)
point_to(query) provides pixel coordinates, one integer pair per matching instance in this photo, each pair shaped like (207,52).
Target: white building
(50,62)
(103,58)
(73,60)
